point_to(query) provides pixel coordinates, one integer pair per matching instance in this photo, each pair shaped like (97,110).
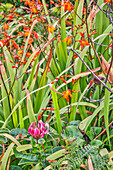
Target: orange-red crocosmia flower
(26,33)
(63,79)
(73,81)
(107,1)
(34,10)
(94,32)
(56,79)
(6,26)
(11,61)
(67,6)
(111,35)
(49,109)
(91,82)
(83,43)
(82,35)
(20,51)
(66,95)
(15,44)
(50,29)
(92,56)
(51,2)
(39,116)
(30,40)
(14,67)
(36,35)
(68,39)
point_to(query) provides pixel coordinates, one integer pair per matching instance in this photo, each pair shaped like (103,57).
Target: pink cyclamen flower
(39,132)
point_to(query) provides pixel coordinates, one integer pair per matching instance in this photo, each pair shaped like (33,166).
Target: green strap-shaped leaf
(43,81)
(106,110)
(6,156)
(56,155)
(57,113)
(21,118)
(30,109)
(78,67)
(11,138)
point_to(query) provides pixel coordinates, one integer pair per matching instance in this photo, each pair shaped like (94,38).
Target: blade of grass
(78,20)
(94,114)
(4,91)
(21,118)
(75,9)
(63,33)
(11,138)
(57,113)
(80,103)
(78,67)
(6,156)
(105,33)
(83,113)
(46,11)
(30,108)
(106,111)
(40,94)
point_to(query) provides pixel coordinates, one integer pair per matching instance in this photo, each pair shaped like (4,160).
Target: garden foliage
(56,79)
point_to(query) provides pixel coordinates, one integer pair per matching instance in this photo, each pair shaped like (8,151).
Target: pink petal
(47,125)
(36,133)
(35,125)
(42,135)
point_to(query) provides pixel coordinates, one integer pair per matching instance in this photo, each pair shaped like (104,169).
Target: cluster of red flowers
(15,39)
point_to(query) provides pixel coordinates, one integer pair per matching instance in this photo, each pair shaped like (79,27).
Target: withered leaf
(90,165)
(105,67)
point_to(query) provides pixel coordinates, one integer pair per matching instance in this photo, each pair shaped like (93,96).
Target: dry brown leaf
(92,14)
(105,67)
(83,166)
(90,165)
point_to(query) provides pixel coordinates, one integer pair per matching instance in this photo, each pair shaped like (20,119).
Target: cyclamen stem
(91,71)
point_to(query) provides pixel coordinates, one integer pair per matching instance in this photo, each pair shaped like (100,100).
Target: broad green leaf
(103,152)
(24,147)
(72,132)
(3,139)
(38,167)
(30,157)
(13,167)
(26,162)
(15,132)
(96,142)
